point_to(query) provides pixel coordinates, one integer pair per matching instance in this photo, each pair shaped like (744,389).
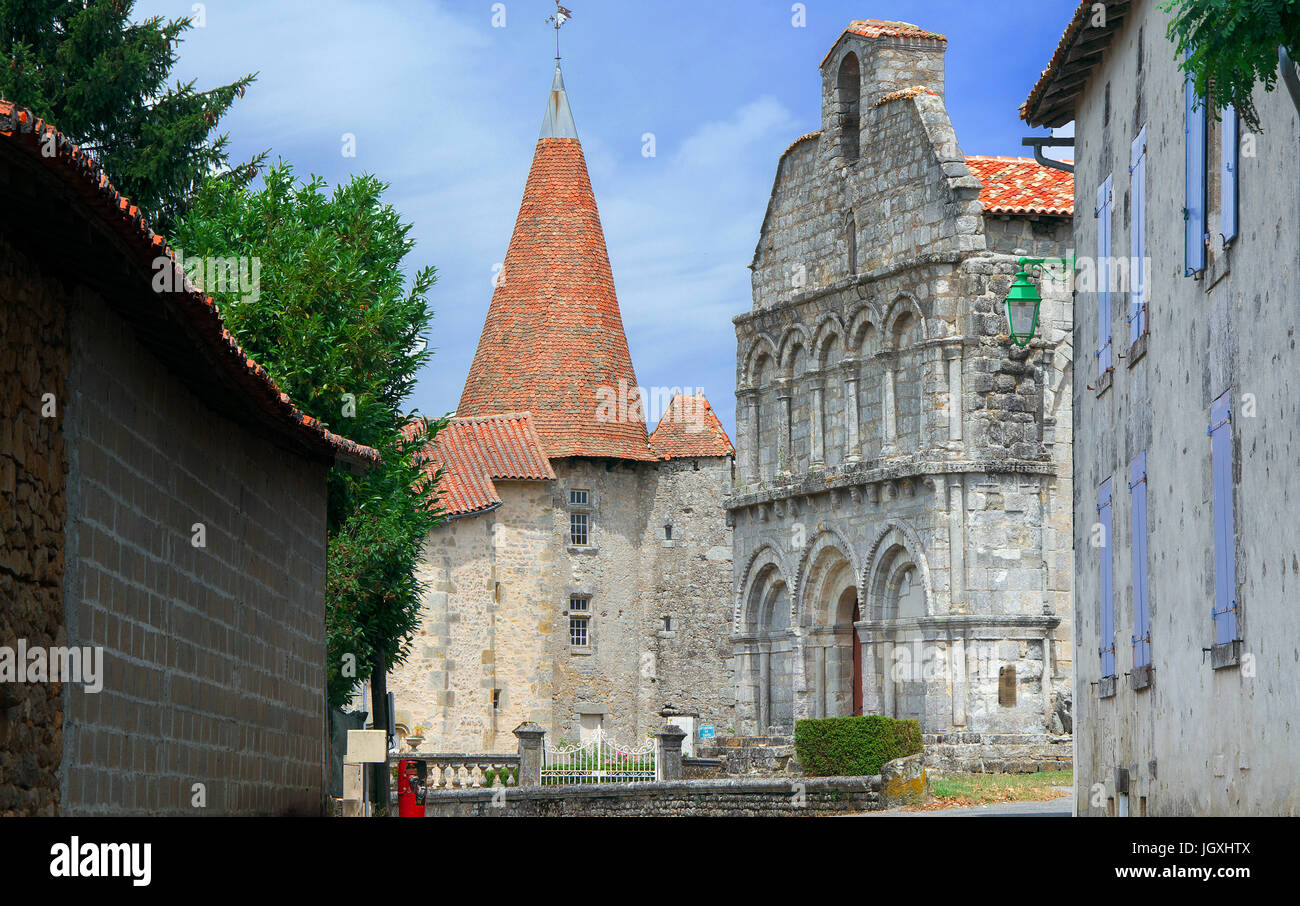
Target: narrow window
(1194,186)
(851,241)
(668,624)
(1107,647)
(1229,158)
(1141,606)
(668,533)
(496,699)
(1138,296)
(1105,217)
(848,90)
(1225,557)
(578,529)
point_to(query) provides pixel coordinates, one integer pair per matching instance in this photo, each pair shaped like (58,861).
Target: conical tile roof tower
(553,342)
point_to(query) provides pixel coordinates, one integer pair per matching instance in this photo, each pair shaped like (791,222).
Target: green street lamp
(1022,304)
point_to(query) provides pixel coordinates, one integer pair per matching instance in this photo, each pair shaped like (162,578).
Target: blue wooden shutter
(1137,314)
(1194,190)
(1230,146)
(1105,211)
(1224,611)
(1107,648)
(1137,484)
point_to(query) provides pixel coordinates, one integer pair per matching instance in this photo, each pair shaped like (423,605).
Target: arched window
(848,90)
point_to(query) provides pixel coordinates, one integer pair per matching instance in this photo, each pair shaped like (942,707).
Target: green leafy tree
(335,322)
(102,80)
(1231,46)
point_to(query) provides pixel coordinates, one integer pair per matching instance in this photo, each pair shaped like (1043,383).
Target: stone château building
(582,580)
(902,506)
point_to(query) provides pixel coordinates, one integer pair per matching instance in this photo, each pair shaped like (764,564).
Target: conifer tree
(103,80)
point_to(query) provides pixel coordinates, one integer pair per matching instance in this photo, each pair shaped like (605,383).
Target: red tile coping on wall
(1021,185)
(473,451)
(902,94)
(881,28)
(689,428)
(75,167)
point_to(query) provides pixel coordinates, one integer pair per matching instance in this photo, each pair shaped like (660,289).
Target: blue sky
(446,108)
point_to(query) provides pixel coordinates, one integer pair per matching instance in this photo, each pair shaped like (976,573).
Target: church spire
(558,122)
(553,341)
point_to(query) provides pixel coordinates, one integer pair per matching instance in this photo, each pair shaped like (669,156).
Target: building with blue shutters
(1186,427)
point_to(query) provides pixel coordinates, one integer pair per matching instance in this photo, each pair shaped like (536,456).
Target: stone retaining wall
(731,798)
(993,753)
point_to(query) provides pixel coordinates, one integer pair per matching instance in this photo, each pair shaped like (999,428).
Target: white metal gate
(599,760)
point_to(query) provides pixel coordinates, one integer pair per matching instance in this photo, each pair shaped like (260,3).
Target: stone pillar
(669,764)
(889,415)
(764,688)
(887,677)
(957,544)
(819,673)
(958,668)
(854,452)
(955,412)
(530,737)
(816,422)
(754,447)
(783,447)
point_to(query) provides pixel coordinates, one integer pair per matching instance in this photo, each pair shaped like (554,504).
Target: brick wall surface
(33,500)
(214,656)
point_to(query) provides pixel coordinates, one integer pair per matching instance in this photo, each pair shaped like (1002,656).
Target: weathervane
(561,16)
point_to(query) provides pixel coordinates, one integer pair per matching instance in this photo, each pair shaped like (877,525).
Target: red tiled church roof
(689,427)
(474,451)
(553,341)
(1020,185)
(218,355)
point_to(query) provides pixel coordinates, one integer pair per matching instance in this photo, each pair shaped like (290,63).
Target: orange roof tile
(474,451)
(902,93)
(689,427)
(22,129)
(883,28)
(553,341)
(1020,185)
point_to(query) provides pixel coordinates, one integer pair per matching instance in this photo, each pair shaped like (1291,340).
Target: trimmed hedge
(853,746)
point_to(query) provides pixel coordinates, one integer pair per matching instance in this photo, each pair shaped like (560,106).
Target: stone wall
(752,797)
(486,623)
(214,656)
(33,508)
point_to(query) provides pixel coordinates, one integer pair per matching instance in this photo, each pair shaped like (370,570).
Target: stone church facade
(902,507)
(582,580)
